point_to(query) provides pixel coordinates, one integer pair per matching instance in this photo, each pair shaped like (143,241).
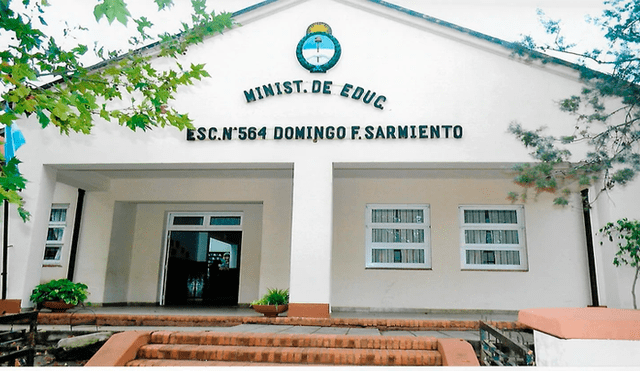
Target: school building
(355,152)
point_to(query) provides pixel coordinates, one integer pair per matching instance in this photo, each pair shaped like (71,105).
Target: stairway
(167,348)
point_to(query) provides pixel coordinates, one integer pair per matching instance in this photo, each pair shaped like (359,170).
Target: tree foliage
(627,233)
(606,111)
(75,95)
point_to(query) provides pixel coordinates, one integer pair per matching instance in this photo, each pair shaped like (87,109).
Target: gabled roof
(513,47)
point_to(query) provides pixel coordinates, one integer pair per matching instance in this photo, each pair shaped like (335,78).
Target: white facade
(303,201)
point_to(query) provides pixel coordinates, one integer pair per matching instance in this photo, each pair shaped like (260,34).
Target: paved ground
(287,329)
(282,329)
(427,314)
(45,359)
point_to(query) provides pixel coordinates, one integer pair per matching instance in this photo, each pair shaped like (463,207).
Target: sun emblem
(318,50)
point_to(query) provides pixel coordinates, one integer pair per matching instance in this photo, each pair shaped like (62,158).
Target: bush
(273,297)
(60,290)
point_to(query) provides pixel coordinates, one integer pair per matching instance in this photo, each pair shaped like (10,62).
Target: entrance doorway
(203,259)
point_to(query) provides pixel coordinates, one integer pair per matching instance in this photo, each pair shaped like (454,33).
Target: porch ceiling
(97,177)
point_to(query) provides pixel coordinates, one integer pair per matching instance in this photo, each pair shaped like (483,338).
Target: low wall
(589,337)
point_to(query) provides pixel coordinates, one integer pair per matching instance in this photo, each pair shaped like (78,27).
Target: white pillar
(31,236)
(311,230)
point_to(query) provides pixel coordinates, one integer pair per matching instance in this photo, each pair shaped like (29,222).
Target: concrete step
(291,355)
(187,363)
(300,349)
(295,340)
(175,348)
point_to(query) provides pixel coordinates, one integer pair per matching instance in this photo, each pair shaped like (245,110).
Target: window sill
(397,268)
(494,270)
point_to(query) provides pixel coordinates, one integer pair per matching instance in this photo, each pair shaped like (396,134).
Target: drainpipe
(586,212)
(76,234)
(5,249)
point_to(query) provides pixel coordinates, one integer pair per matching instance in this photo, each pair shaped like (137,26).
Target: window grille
(492,237)
(397,236)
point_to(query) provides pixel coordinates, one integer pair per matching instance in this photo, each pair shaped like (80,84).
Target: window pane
(222,220)
(397,256)
(491,216)
(58,215)
(55,234)
(397,216)
(188,220)
(509,237)
(397,235)
(52,253)
(493,257)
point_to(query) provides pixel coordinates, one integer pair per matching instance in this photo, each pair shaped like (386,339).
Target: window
(397,236)
(492,237)
(55,233)
(205,220)
(224,220)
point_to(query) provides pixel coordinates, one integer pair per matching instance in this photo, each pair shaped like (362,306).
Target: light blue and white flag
(13,140)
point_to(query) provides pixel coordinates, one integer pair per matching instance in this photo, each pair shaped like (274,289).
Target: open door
(202,266)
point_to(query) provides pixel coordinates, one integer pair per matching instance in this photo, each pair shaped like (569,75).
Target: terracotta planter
(270,310)
(57,306)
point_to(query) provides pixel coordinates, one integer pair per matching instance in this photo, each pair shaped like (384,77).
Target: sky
(504,19)
(509,19)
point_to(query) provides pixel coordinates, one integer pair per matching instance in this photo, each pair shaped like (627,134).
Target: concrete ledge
(457,352)
(584,323)
(436,311)
(120,349)
(74,319)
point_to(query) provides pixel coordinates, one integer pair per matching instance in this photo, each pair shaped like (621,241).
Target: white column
(30,237)
(311,229)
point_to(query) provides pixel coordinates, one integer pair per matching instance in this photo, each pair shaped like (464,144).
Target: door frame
(205,227)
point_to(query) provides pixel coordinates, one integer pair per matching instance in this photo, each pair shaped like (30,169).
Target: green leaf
(61,110)
(22,91)
(142,24)
(80,49)
(112,9)
(164,4)
(42,118)
(7,118)
(22,71)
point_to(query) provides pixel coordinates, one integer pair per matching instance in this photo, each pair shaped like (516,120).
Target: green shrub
(60,290)
(627,233)
(273,297)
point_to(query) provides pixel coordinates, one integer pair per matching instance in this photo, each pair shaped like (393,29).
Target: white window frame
(206,226)
(370,245)
(519,227)
(60,225)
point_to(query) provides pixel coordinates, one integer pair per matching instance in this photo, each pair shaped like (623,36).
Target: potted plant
(59,295)
(274,302)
